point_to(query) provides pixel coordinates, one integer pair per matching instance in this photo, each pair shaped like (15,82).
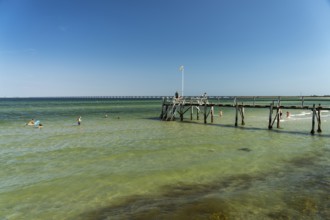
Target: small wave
(301,114)
(297,119)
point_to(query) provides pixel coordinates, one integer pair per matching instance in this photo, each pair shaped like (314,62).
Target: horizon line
(161,96)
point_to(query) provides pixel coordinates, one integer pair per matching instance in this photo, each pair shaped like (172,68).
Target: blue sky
(135,47)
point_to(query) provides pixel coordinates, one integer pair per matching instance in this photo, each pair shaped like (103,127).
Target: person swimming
(36,124)
(31,122)
(288,114)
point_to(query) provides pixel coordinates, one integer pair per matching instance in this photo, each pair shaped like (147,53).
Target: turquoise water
(131,165)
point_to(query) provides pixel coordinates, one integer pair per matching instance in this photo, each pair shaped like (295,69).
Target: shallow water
(133,166)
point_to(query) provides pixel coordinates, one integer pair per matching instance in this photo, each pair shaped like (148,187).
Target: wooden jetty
(174,107)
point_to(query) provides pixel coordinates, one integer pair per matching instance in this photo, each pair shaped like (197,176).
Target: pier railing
(173,108)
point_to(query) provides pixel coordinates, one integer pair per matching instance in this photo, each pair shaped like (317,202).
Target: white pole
(182,70)
(182,81)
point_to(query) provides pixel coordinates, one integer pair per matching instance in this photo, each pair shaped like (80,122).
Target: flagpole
(182,70)
(182,80)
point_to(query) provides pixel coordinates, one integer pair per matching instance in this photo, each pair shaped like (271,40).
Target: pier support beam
(181,115)
(205,114)
(236,114)
(270,126)
(319,130)
(212,113)
(313,120)
(242,112)
(197,113)
(278,112)
(162,113)
(181,112)
(165,112)
(278,115)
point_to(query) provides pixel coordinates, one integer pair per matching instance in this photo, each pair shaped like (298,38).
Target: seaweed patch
(245,149)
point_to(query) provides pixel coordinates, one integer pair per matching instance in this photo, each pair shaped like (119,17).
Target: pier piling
(270,125)
(205,115)
(313,120)
(197,113)
(212,113)
(278,112)
(319,130)
(242,112)
(236,114)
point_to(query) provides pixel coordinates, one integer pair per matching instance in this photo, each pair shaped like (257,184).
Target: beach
(131,165)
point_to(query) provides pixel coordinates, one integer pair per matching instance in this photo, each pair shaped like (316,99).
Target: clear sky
(135,47)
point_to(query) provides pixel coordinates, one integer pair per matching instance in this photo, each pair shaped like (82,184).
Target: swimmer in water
(288,114)
(79,120)
(31,122)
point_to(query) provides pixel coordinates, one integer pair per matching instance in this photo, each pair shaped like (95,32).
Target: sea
(123,162)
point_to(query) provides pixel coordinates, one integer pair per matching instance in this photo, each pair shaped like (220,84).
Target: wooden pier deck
(171,107)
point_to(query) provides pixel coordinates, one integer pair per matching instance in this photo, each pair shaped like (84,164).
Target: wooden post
(278,111)
(242,114)
(191,112)
(162,113)
(254,100)
(165,114)
(212,113)
(172,116)
(236,116)
(197,112)
(278,116)
(270,126)
(205,116)
(313,120)
(319,130)
(302,101)
(181,111)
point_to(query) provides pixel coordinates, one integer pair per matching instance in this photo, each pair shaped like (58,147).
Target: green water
(131,165)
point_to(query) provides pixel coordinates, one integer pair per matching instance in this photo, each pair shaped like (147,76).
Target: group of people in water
(37,123)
